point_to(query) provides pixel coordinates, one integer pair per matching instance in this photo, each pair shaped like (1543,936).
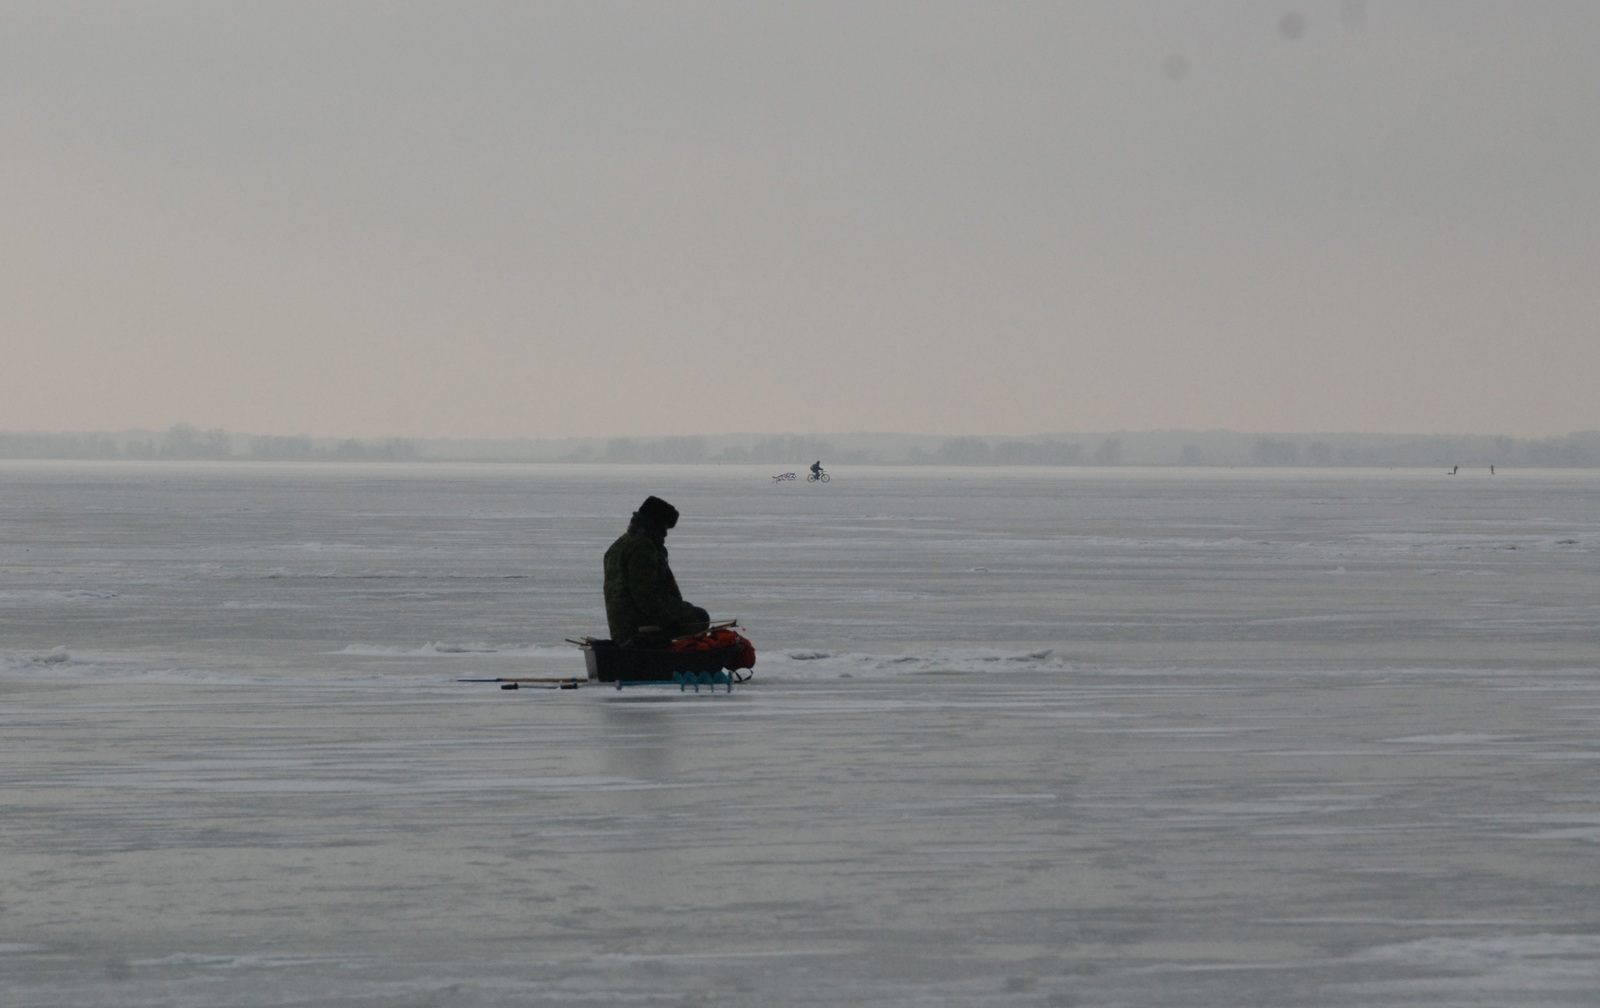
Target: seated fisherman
(643,603)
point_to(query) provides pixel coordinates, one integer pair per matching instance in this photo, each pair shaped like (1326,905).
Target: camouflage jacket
(640,588)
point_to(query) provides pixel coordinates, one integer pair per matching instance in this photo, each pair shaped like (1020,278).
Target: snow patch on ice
(434,649)
(807,663)
(35,661)
(715,956)
(1170,542)
(229,961)
(319,547)
(62,665)
(46,596)
(1589,834)
(1484,954)
(309,777)
(1443,543)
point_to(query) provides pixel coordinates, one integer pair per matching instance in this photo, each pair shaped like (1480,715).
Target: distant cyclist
(817,475)
(816,468)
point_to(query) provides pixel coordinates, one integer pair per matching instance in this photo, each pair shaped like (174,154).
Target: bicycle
(818,477)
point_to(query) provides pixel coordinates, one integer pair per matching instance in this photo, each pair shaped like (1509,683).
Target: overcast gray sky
(588,218)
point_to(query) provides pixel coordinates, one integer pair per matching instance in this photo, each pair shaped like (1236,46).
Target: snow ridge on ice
(35,660)
(798,664)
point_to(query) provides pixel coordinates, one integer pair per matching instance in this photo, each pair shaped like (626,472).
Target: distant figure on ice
(1452,471)
(816,468)
(1491,470)
(643,603)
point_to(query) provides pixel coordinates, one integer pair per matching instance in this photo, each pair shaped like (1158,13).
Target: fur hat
(658,512)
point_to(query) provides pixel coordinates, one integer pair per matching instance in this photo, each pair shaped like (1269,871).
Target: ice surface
(1015,738)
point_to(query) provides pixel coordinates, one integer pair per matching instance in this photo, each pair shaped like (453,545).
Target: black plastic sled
(607,662)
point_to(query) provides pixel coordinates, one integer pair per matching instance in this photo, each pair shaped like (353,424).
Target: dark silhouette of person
(816,467)
(643,604)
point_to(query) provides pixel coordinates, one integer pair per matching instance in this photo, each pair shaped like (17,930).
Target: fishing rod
(515,682)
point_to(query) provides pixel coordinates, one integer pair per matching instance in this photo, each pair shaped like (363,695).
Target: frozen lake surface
(1016,737)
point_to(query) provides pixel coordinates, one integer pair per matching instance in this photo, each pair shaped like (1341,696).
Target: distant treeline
(791,450)
(1213,448)
(1579,450)
(184,441)
(1144,448)
(784,450)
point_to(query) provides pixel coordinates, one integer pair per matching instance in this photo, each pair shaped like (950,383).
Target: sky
(540,219)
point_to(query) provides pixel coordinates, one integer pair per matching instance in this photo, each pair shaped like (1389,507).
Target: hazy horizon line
(724,435)
(1167,447)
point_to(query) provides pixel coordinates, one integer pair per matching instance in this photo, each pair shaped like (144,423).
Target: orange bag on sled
(716,640)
